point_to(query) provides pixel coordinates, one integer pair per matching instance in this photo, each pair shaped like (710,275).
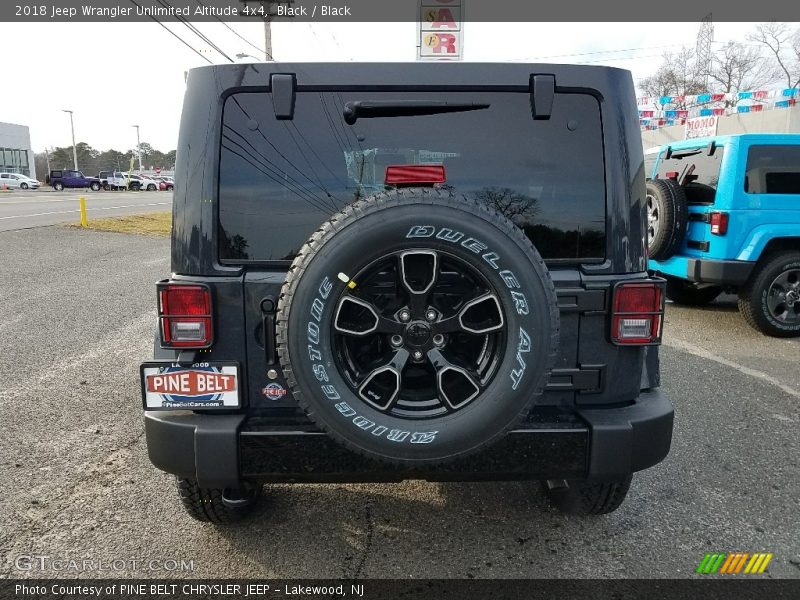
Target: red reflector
(671,174)
(185,300)
(414,174)
(637,314)
(637,298)
(719,223)
(185,315)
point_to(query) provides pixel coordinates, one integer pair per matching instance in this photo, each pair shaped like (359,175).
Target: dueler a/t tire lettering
(423,223)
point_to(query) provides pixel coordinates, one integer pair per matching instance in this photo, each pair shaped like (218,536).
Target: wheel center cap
(417,334)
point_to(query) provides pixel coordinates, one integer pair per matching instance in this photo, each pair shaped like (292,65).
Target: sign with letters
(441,30)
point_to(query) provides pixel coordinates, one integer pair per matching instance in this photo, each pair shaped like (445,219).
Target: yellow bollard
(84,223)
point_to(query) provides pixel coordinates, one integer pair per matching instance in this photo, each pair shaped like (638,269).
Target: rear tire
(95,187)
(586,497)
(58,186)
(667,217)
(684,292)
(760,300)
(213,505)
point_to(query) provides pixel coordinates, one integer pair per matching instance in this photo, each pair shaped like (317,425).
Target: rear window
(280,179)
(695,170)
(773,169)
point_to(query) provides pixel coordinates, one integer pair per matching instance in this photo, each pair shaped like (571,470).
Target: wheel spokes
(382,386)
(479,316)
(776,301)
(358,317)
(456,385)
(419,270)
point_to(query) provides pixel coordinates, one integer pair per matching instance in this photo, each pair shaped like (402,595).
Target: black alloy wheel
(421,334)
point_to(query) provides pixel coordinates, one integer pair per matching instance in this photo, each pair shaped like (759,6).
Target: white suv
(133,182)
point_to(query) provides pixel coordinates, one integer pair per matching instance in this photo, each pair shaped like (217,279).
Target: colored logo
(734,563)
(274,391)
(203,384)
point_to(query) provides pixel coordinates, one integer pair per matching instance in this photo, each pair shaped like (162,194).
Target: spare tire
(667,217)
(415,327)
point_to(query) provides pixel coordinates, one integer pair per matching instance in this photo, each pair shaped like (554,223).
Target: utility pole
(267,6)
(267,37)
(47,158)
(138,146)
(74,149)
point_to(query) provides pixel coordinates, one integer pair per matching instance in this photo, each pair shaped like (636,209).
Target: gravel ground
(78,314)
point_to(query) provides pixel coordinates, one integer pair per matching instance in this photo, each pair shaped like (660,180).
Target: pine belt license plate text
(203,385)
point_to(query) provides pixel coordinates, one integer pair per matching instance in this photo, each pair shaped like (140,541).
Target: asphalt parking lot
(77,482)
(21,209)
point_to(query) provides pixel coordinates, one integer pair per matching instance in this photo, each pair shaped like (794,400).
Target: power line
(272,174)
(283,156)
(282,173)
(603,52)
(179,38)
(195,30)
(237,34)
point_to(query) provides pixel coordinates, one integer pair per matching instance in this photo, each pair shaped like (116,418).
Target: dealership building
(16,155)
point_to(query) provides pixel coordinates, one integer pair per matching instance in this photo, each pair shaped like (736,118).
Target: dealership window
(13,160)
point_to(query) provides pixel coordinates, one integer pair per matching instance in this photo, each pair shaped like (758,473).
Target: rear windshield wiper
(369,109)
(679,155)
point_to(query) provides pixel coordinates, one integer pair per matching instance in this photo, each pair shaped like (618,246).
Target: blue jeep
(723,214)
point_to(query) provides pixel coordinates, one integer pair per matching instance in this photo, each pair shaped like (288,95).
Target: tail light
(638,313)
(184,314)
(719,223)
(414,174)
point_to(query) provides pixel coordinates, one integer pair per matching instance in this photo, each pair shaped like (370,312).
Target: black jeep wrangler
(407,271)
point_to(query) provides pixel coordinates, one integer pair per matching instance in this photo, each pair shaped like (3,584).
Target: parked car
(14,181)
(66,178)
(165,183)
(139,181)
(103,177)
(724,215)
(436,292)
(118,180)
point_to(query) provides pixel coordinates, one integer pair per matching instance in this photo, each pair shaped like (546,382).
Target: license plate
(200,386)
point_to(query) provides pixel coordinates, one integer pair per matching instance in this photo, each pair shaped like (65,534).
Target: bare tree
(509,203)
(676,76)
(783,44)
(736,67)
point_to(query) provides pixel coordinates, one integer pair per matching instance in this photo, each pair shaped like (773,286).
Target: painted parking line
(37,200)
(66,212)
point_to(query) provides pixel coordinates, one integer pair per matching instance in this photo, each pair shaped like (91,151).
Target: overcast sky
(116,75)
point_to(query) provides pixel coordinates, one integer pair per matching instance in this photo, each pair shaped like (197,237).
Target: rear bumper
(702,270)
(221,450)
(723,272)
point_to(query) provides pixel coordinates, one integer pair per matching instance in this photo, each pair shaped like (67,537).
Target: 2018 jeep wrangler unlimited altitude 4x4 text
(385,272)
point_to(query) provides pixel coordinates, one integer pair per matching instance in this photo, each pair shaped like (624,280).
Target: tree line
(769,55)
(91,161)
